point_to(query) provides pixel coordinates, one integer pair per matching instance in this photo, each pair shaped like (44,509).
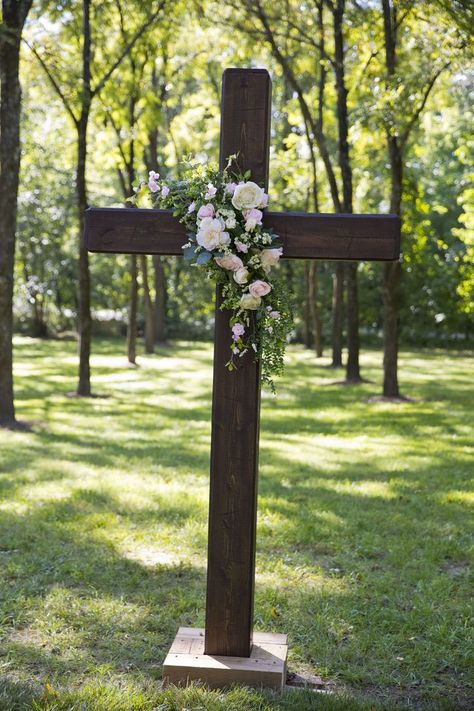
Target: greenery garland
(222,213)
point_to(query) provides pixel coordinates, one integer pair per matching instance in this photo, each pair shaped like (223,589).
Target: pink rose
(230,188)
(238,330)
(270,257)
(259,288)
(264,201)
(241,247)
(164,191)
(230,261)
(211,191)
(153,186)
(254,215)
(205,211)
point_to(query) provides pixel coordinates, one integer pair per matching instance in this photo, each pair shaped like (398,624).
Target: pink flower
(238,330)
(205,211)
(211,191)
(230,188)
(192,207)
(152,175)
(255,215)
(264,201)
(230,261)
(274,314)
(153,186)
(270,257)
(241,247)
(165,191)
(259,288)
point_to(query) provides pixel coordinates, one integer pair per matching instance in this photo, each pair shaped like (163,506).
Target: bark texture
(14,16)
(148,307)
(132,312)
(337,315)
(160,299)
(353,367)
(392,272)
(85,318)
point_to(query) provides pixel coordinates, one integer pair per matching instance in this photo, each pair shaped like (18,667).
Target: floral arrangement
(222,213)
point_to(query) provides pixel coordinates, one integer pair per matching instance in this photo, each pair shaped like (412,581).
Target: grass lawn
(363,532)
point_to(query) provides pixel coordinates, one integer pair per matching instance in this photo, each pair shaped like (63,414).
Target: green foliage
(363,550)
(173,81)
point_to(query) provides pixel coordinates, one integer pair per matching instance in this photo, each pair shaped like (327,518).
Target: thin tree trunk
(337,315)
(352,367)
(160,299)
(14,16)
(392,271)
(149,324)
(392,276)
(307,339)
(85,318)
(132,312)
(314,309)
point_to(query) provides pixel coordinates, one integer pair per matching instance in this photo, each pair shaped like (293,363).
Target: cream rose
(211,234)
(241,276)
(269,257)
(247,195)
(230,261)
(247,301)
(259,288)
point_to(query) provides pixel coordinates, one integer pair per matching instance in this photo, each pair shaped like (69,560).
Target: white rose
(247,195)
(247,301)
(211,234)
(230,223)
(241,275)
(270,257)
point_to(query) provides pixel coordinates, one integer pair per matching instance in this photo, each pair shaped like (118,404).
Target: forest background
(372,111)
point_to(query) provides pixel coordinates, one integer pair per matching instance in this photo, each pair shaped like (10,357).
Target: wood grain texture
(245,129)
(304,235)
(186,662)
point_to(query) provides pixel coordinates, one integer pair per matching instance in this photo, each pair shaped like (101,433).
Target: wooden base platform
(266,666)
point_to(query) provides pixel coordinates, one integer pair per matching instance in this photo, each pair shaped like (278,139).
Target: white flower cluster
(226,236)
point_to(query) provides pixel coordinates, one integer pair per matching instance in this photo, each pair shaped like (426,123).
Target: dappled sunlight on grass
(362,538)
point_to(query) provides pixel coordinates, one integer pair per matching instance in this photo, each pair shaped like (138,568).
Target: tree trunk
(85,319)
(392,276)
(392,271)
(352,368)
(132,312)
(84,316)
(307,340)
(149,324)
(14,16)
(337,315)
(314,309)
(160,299)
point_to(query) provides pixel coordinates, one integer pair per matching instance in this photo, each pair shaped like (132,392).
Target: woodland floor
(363,532)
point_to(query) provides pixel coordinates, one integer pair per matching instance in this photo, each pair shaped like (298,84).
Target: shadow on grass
(354,550)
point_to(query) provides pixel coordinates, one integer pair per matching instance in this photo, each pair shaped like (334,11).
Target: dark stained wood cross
(245,130)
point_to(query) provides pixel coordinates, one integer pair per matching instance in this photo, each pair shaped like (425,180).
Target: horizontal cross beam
(303,235)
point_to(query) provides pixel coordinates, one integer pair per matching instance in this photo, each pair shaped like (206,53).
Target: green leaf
(189,252)
(204,258)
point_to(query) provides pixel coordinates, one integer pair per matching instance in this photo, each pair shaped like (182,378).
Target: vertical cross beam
(245,130)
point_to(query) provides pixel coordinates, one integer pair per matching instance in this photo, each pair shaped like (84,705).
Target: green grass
(363,532)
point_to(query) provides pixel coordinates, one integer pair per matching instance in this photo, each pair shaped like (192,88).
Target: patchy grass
(363,532)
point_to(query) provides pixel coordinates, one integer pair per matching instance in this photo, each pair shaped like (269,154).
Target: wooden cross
(245,130)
